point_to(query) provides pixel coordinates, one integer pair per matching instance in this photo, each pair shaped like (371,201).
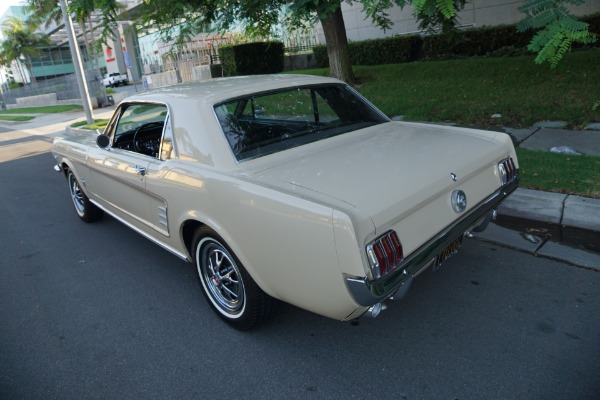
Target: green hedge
(497,40)
(321,58)
(394,50)
(500,40)
(475,42)
(252,58)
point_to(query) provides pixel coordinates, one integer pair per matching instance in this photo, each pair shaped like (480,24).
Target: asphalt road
(96,311)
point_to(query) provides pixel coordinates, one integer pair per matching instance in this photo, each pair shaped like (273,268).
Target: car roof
(197,132)
(216,90)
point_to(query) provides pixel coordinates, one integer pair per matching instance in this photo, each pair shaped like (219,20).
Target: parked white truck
(115,79)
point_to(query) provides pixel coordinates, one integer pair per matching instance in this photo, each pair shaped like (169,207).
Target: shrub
(502,40)
(321,58)
(475,42)
(393,50)
(252,58)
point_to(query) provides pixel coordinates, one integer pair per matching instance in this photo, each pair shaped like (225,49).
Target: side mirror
(103,141)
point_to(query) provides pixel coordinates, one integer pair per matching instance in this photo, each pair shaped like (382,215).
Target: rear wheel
(230,290)
(84,208)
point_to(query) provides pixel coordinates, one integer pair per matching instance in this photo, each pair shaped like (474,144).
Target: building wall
(476,13)
(53,61)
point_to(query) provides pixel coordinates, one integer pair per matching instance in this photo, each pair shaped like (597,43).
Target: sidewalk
(564,212)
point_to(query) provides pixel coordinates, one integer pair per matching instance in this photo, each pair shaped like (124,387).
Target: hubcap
(76,194)
(221,277)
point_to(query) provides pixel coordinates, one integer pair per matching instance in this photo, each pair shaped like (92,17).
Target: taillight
(507,170)
(385,254)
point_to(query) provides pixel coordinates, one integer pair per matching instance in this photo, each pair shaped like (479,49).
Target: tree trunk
(22,72)
(31,73)
(340,66)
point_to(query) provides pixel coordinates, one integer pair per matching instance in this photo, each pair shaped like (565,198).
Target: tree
(182,18)
(21,42)
(558,29)
(48,11)
(258,17)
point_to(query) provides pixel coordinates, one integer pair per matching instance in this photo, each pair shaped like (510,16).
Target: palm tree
(20,41)
(49,11)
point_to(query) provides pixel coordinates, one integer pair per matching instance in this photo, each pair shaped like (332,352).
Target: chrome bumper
(367,293)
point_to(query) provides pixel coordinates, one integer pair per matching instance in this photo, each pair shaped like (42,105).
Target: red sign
(109,55)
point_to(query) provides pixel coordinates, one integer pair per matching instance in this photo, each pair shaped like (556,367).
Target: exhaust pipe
(375,310)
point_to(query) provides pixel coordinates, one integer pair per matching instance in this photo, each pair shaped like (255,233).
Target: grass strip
(43,110)
(552,172)
(98,123)
(16,118)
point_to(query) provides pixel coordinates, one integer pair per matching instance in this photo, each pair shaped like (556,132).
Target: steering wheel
(141,136)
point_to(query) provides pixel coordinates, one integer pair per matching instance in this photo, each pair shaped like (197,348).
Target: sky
(4,4)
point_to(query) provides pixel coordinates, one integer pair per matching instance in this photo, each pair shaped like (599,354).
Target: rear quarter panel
(285,242)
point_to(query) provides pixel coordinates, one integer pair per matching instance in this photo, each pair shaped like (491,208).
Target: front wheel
(83,206)
(230,290)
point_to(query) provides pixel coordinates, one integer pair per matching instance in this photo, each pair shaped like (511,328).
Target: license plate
(448,252)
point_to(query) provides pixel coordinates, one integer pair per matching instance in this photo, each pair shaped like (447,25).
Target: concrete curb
(539,246)
(553,208)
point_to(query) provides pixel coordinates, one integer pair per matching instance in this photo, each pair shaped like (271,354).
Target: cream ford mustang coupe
(288,187)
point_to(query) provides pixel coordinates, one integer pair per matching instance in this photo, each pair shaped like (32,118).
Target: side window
(140,128)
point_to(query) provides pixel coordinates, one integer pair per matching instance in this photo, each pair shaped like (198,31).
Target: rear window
(270,122)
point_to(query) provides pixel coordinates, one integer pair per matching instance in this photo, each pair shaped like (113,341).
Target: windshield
(274,121)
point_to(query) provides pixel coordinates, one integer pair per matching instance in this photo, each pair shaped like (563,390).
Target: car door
(117,177)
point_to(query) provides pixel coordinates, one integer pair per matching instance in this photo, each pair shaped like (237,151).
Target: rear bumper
(367,293)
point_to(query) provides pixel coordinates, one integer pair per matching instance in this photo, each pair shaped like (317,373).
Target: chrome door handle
(139,170)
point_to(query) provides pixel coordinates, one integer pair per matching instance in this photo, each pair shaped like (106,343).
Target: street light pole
(83,89)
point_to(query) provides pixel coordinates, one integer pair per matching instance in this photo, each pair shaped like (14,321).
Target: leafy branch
(558,29)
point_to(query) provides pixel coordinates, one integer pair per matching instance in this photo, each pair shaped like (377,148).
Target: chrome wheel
(226,284)
(77,195)
(220,277)
(85,209)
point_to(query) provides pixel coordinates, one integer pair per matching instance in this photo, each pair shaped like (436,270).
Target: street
(97,311)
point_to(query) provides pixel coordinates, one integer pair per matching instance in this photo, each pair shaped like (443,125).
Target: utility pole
(83,89)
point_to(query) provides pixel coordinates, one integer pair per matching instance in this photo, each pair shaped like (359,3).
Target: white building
(476,13)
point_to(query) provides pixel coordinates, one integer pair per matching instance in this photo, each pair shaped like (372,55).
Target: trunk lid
(391,170)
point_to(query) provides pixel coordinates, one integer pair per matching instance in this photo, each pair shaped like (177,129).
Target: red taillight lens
(385,254)
(508,170)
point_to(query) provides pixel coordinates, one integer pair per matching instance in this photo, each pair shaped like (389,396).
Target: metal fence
(65,87)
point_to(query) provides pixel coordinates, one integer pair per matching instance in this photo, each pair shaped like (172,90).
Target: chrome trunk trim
(367,293)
